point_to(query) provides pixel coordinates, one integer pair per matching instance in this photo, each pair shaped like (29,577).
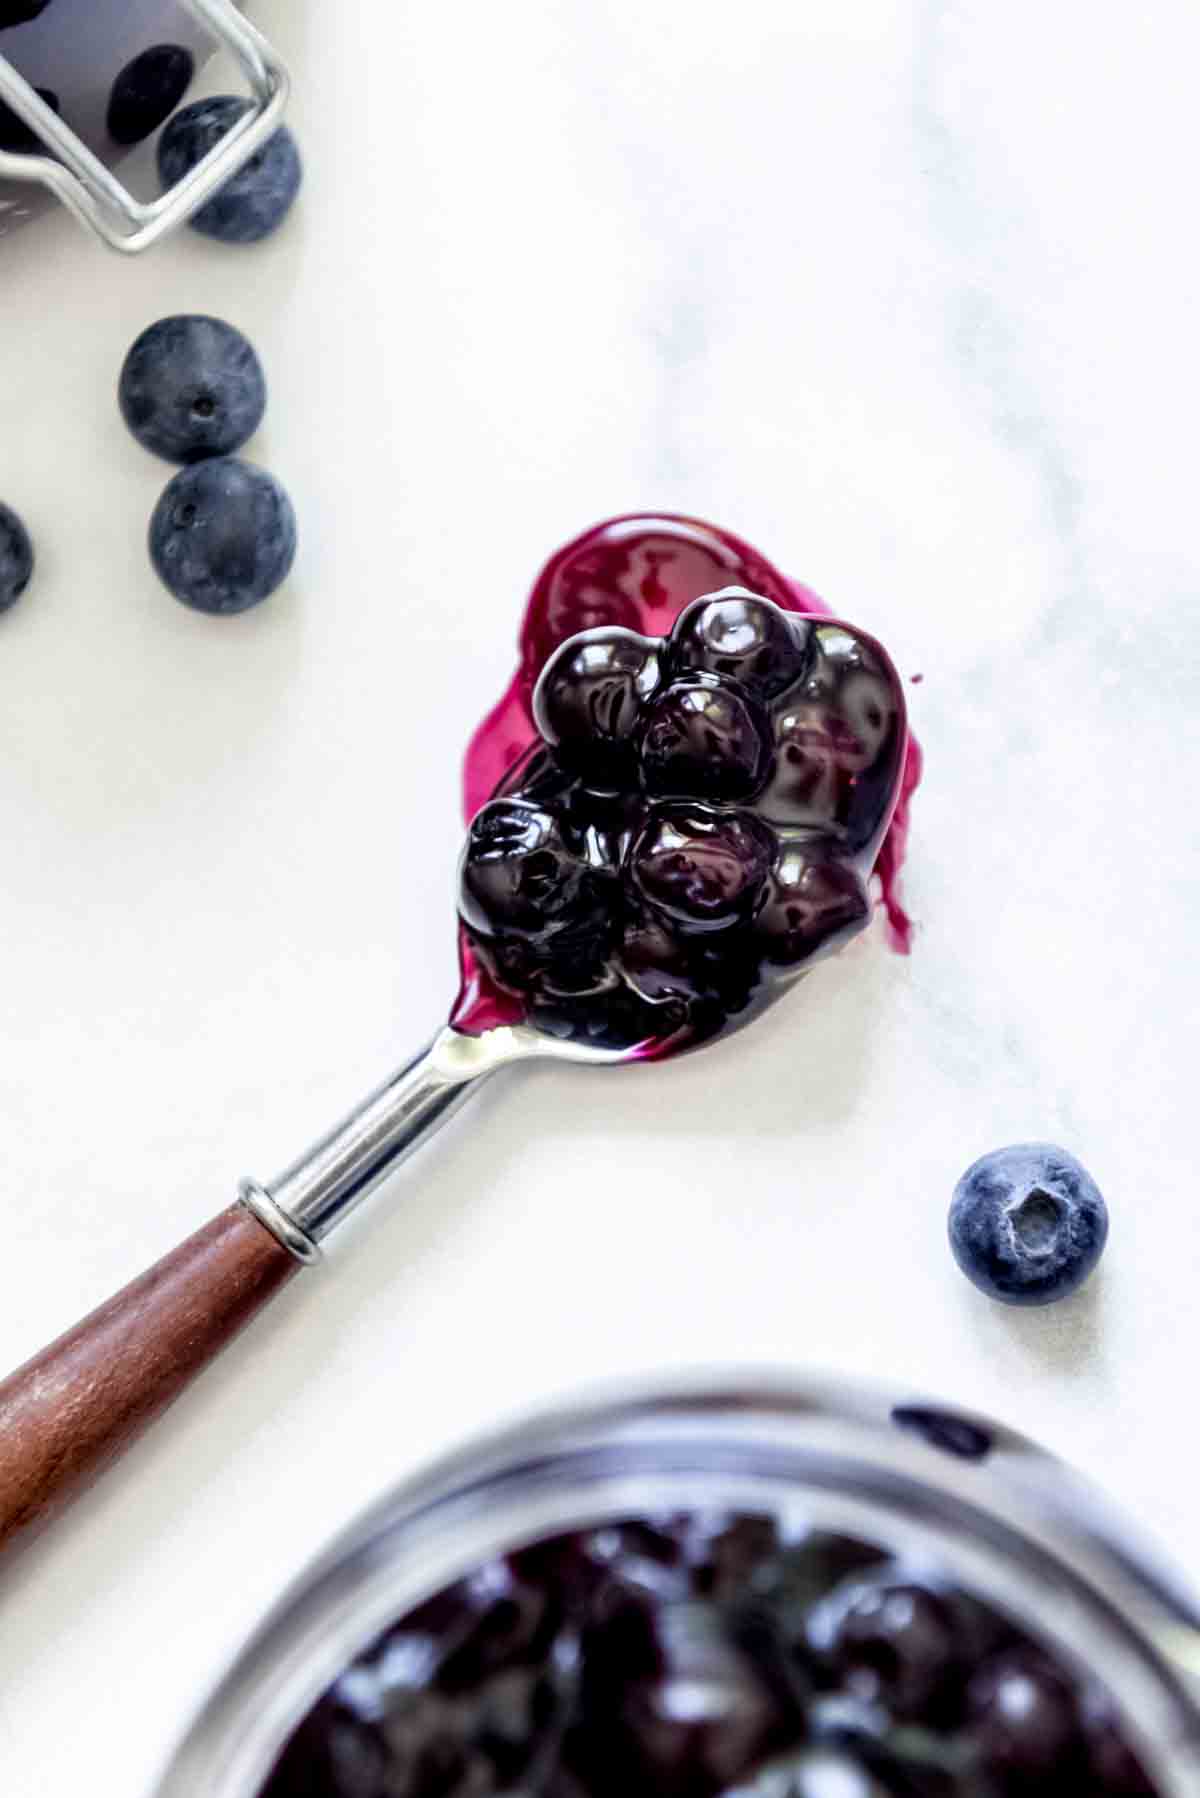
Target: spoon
(74,1408)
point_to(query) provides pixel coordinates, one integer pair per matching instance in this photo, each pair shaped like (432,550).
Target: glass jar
(79,56)
(998,1515)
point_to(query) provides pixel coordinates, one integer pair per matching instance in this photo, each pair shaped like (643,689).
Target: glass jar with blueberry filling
(776,1590)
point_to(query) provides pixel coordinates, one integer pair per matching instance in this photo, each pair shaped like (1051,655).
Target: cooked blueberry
(824,1770)
(19,12)
(703,738)
(839,739)
(223,535)
(805,1571)
(814,902)
(255,200)
(1027,1224)
(731,1555)
(1114,1767)
(16,558)
(893,1642)
(588,701)
(658,1658)
(501,1622)
(704,868)
(520,878)
(333,1754)
(736,633)
(702,1717)
(15,134)
(192,387)
(1024,1721)
(147,91)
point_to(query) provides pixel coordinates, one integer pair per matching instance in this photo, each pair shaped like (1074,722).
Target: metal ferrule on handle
(315,1194)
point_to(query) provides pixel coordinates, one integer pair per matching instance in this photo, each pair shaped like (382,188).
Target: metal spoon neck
(320,1189)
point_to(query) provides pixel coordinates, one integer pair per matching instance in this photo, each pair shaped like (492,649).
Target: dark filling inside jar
(708,1655)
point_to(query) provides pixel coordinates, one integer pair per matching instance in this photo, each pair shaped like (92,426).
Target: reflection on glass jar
(770,1590)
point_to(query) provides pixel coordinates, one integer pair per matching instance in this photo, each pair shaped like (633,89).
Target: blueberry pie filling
(708,1656)
(683,818)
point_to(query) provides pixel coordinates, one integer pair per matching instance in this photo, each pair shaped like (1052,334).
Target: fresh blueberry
(147,91)
(16,558)
(1027,1224)
(19,12)
(192,387)
(736,633)
(588,700)
(223,535)
(705,868)
(704,738)
(16,135)
(254,201)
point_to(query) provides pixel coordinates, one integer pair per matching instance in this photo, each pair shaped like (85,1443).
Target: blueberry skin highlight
(223,535)
(1027,1224)
(191,387)
(252,203)
(16,558)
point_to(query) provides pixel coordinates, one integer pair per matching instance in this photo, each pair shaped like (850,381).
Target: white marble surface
(907,293)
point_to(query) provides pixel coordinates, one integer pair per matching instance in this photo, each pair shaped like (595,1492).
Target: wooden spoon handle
(71,1411)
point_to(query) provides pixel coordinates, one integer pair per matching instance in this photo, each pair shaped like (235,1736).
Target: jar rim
(997,1512)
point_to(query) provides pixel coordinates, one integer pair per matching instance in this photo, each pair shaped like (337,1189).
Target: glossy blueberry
(1024,1722)
(255,200)
(588,701)
(501,1619)
(16,558)
(697,1718)
(814,903)
(704,868)
(730,1555)
(1115,1768)
(656,1658)
(839,741)
(192,387)
(520,879)
(1027,1224)
(829,1770)
(16,135)
(223,535)
(892,1641)
(19,12)
(704,738)
(147,91)
(750,639)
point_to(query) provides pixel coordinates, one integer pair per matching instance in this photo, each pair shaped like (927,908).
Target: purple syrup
(639,573)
